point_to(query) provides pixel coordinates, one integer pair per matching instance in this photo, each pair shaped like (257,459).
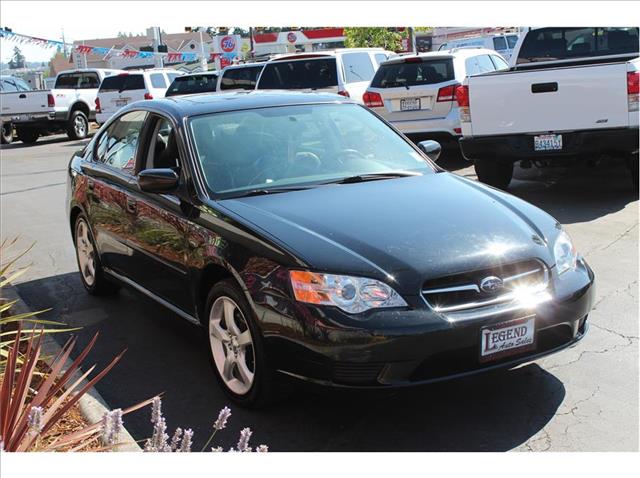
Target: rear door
(110,178)
(317,74)
(120,90)
(409,88)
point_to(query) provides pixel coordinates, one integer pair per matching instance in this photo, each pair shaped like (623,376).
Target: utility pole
(203,59)
(64,45)
(251,54)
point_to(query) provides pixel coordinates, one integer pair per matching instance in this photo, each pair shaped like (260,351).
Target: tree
(387,38)
(17,60)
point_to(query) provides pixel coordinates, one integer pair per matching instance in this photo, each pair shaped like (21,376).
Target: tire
(27,135)
(7,133)
(248,351)
(78,125)
(494,173)
(92,275)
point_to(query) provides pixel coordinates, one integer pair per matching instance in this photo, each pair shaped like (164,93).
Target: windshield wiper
(361,178)
(275,190)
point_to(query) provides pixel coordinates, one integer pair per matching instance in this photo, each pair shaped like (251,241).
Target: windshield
(297,145)
(413,73)
(299,74)
(183,85)
(559,43)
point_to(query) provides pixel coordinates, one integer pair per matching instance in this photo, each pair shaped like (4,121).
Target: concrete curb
(91,404)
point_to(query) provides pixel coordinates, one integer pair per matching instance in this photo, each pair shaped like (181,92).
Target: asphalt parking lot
(582,399)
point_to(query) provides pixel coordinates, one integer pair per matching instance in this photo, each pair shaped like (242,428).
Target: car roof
(433,55)
(244,65)
(205,103)
(201,73)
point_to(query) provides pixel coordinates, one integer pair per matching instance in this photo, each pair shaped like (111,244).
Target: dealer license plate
(547,142)
(409,104)
(507,338)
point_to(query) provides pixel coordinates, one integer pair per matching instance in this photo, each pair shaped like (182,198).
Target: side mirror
(431,148)
(163,180)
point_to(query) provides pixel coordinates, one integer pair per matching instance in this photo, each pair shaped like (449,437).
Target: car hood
(402,231)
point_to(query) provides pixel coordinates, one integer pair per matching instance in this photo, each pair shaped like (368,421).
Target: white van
(417,93)
(502,43)
(346,72)
(119,90)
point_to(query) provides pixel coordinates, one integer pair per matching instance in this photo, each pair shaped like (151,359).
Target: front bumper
(430,349)
(587,144)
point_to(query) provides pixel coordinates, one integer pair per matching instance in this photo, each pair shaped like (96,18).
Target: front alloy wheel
(232,345)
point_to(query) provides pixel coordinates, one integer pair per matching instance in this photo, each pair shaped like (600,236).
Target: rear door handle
(544,87)
(22,96)
(132,205)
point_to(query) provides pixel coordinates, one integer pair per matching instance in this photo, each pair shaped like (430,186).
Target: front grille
(464,291)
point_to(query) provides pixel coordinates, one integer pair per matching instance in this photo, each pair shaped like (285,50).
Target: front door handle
(132,205)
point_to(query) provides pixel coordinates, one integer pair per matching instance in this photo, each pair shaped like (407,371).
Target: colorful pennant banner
(171,57)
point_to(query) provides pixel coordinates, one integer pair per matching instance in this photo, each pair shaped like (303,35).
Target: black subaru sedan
(313,241)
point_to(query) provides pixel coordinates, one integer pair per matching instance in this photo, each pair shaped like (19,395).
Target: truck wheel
(78,125)
(27,135)
(7,133)
(494,173)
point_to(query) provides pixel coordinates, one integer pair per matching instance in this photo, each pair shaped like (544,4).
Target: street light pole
(203,59)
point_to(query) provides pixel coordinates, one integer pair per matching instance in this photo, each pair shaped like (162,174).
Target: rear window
(413,74)
(561,43)
(77,81)
(184,85)
(122,83)
(240,78)
(357,67)
(499,43)
(300,74)
(512,40)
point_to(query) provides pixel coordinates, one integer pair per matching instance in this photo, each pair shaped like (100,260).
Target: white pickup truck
(569,94)
(68,107)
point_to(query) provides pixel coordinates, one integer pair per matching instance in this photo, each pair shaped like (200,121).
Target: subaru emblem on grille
(491,284)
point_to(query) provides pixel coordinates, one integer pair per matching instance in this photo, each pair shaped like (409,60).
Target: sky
(102,19)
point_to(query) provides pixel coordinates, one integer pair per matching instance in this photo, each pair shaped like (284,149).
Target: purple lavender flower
(262,449)
(111,427)
(35,420)
(158,441)
(243,443)
(175,441)
(156,410)
(223,416)
(217,449)
(185,446)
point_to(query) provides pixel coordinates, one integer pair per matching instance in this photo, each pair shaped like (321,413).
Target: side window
(157,80)
(163,146)
(471,65)
(67,81)
(499,43)
(357,67)
(118,144)
(21,85)
(380,57)
(484,64)
(499,63)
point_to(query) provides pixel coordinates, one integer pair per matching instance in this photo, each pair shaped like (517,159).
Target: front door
(159,236)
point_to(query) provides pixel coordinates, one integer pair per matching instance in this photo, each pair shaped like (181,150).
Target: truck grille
(492,287)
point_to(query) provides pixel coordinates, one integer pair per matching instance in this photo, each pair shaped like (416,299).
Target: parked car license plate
(507,338)
(122,102)
(547,142)
(409,104)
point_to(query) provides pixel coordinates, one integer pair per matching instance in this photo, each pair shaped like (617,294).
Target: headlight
(351,294)
(565,253)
